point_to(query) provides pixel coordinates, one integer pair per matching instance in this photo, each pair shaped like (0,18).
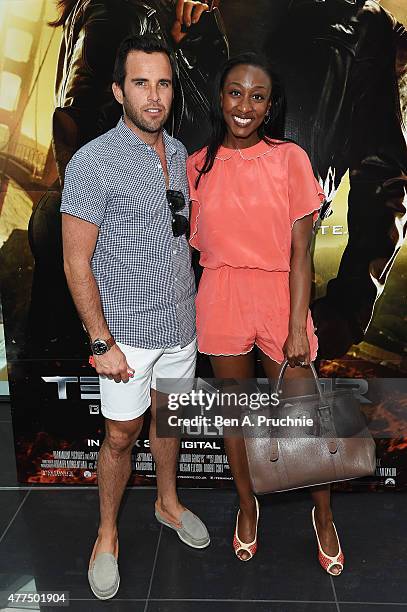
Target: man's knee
(121,435)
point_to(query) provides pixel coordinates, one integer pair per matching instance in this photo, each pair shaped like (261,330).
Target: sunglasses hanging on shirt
(176,202)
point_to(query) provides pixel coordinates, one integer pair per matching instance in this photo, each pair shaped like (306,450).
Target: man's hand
(188,12)
(113,364)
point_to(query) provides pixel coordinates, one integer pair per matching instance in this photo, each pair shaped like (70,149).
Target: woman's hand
(296,349)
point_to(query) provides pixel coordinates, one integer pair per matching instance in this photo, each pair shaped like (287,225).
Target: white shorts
(126,401)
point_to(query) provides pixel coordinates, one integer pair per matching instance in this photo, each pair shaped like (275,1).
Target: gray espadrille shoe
(103,576)
(193,531)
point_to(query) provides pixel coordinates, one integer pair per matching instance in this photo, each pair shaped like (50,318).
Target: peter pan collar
(261,148)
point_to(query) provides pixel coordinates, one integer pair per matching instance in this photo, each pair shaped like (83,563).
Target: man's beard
(139,122)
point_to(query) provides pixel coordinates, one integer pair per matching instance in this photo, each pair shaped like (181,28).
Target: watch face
(99,347)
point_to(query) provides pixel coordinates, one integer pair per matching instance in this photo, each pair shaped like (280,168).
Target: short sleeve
(305,193)
(84,194)
(195,204)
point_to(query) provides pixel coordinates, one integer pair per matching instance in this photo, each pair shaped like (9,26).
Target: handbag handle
(281,374)
(331,440)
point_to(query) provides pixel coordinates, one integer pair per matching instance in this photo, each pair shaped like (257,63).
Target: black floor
(46,536)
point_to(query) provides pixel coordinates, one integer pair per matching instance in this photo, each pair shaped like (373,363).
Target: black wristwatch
(100,347)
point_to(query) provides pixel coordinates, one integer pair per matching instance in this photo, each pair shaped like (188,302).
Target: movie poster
(343,67)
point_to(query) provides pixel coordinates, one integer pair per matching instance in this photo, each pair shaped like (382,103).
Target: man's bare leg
(114,469)
(165,452)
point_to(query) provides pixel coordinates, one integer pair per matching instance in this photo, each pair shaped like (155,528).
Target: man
(127,263)
(92,31)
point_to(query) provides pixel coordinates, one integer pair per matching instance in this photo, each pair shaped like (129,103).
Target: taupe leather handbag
(337,446)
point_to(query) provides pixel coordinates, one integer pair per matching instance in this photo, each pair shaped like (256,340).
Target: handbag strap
(326,421)
(282,372)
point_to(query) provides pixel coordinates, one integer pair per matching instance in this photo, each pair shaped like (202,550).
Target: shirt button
(176,278)
(175,251)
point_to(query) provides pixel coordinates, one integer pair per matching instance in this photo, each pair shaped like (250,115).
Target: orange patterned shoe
(325,560)
(238,545)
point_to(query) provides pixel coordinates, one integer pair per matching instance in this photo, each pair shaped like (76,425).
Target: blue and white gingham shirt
(144,274)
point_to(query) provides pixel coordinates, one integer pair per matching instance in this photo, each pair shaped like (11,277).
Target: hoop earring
(267,117)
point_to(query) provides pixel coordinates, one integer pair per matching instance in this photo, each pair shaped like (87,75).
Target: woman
(254,200)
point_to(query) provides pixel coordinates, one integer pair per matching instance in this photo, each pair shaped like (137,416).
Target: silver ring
(302,363)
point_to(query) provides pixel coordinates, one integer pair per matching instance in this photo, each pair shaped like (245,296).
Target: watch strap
(110,342)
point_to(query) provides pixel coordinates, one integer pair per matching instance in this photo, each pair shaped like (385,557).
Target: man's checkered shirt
(143,272)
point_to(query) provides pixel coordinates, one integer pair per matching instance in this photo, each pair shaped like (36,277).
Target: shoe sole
(104,597)
(199,546)
(189,543)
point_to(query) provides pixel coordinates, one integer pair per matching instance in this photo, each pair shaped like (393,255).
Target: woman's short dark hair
(148,43)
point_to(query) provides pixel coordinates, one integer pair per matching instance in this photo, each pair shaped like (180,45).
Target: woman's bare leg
(239,367)
(302,381)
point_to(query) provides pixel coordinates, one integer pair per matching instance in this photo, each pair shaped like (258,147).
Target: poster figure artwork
(343,67)
(340,63)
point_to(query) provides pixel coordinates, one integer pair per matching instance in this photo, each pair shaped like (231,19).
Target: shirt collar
(261,148)
(133,140)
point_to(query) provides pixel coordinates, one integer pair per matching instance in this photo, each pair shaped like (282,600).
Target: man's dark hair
(148,43)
